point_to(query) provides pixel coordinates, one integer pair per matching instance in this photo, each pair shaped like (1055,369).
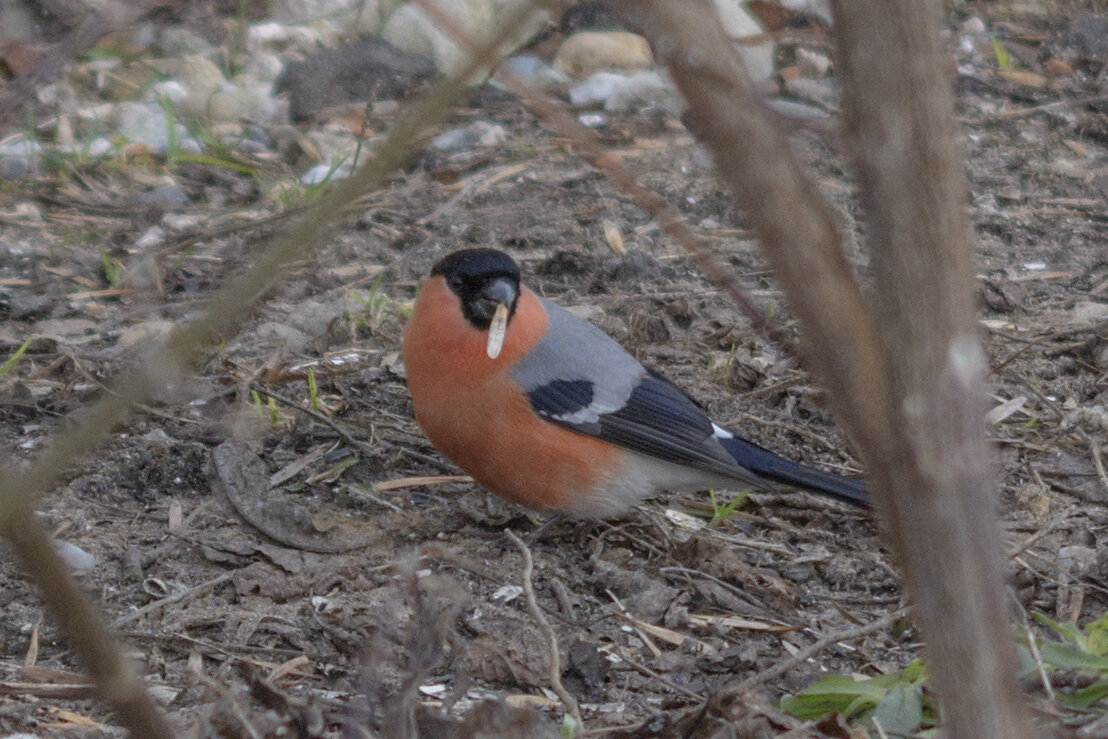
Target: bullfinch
(545,409)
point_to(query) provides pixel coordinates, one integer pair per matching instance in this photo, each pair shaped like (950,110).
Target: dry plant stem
(80,621)
(1098,460)
(899,121)
(908,391)
(234,301)
(796,227)
(556,685)
(808,652)
(117,682)
(184,595)
(1033,647)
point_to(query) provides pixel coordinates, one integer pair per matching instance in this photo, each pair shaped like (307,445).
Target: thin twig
(555,675)
(756,605)
(81,622)
(631,622)
(311,413)
(233,703)
(1033,646)
(661,679)
(1044,530)
(179,597)
(808,652)
(1098,461)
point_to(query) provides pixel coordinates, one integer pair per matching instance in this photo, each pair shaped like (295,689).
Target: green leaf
(834,694)
(813,706)
(720,511)
(900,711)
(899,697)
(1096,640)
(1068,630)
(184,157)
(1087,696)
(915,672)
(1027,664)
(1003,58)
(569,728)
(14,359)
(1068,656)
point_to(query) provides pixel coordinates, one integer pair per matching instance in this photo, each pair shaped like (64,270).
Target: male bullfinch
(545,409)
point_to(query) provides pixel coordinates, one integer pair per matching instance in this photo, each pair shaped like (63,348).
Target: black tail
(765,463)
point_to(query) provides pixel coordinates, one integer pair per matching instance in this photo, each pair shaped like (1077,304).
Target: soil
(343,597)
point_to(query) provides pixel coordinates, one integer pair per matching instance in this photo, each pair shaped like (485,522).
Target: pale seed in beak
(497,328)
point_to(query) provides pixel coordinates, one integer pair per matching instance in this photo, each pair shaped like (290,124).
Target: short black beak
(495,292)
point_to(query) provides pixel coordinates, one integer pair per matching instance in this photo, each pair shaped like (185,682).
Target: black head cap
(482,279)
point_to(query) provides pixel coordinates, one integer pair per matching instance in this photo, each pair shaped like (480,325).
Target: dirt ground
(332,600)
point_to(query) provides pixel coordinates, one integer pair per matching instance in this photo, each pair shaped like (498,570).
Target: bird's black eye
(456,283)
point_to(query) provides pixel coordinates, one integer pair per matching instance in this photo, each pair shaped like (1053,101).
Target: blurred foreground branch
(115,678)
(905,377)
(84,627)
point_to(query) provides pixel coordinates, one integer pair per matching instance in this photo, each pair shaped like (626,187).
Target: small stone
(1087,35)
(797,110)
(739,23)
(360,17)
(593,120)
(646,89)
(596,89)
(587,52)
(372,69)
(532,71)
(147,124)
(453,140)
(1076,560)
(20,157)
(411,29)
(235,102)
(171,90)
(972,26)
(812,63)
(74,556)
(152,237)
(478,133)
(200,78)
(167,197)
(176,41)
(619,92)
(823,92)
(99,147)
(24,305)
(323,172)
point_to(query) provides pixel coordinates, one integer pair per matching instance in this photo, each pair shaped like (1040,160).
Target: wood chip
(419,481)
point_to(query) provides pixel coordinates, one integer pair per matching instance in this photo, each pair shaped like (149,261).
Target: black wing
(657,419)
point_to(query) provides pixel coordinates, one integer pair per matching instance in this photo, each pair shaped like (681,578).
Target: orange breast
(474,413)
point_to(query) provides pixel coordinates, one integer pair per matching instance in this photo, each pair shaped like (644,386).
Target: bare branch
(117,682)
(906,379)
